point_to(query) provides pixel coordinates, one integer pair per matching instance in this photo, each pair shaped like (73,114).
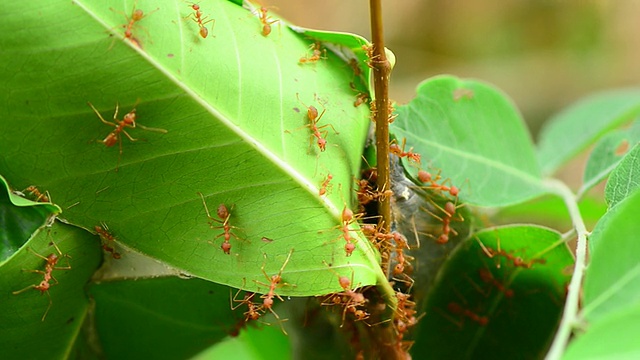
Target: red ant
(516,260)
(275,282)
(312,114)
(487,277)
(136,15)
(43,287)
(398,151)
(34,192)
(325,185)
(264,19)
(128,121)
(316,54)
(201,21)
(254,311)
(449,212)
(400,244)
(426,177)
(347,219)
(457,309)
(106,237)
(224,215)
(351,299)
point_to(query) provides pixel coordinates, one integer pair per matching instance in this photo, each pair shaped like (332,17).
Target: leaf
(612,280)
(263,343)
(23,331)
(165,317)
(235,133)
(605,340)
(506,305)
(624,178)
(607,154)
(472,133)
(19,220)
(575,128)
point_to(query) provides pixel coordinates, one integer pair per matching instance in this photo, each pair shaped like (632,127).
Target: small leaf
(624,178)
(475,135)
(21,314)
(500,293)
(612,279)
(607,154)
(580,125)
(20,219)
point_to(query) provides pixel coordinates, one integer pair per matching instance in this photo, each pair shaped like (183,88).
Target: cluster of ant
(255,310)
(197,16)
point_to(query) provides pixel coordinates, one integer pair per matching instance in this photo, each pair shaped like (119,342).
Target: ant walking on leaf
(128,121)
(47,274)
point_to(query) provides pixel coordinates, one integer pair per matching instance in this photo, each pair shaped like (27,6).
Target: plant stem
(385,338)
(381,70)
(569,317)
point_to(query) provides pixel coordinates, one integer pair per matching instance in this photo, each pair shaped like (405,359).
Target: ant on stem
(51,262)
(275,282)
(128,121)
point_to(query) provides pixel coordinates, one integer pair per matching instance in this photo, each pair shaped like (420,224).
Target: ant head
(345,283)
(223,212)
(322,144)
(137,15)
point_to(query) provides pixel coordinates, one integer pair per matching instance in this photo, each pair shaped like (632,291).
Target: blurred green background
(544,54)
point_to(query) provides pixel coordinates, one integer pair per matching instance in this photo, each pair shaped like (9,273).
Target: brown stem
(384,334)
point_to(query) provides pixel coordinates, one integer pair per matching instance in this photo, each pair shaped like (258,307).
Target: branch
(569,317)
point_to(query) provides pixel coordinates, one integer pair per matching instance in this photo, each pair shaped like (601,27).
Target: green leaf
(20,219)
(166,317)
(255,343)
(474,134)
(500,293)
(616,337)
(580,125)
(624,178)
(612,280)
(235,132)
(607,154)
(23,332)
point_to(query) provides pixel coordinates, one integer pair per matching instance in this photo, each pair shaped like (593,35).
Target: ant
(264,19)
(314,118)
(516,260)
(350,298)
(200,20)
(316,54)
(128,121)
(34,192)
(449,212)
(224,215)
(44,285)
(325,186)
(106,237)
(457,309)
(275,282)
(487,277)
(398,151)
(254,311)
(136,15)
(426,177)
